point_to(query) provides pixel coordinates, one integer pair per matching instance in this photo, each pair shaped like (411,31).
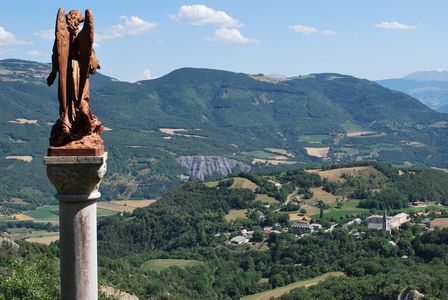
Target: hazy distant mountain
(250,118)
(431,88)
(444,109)
(428,76)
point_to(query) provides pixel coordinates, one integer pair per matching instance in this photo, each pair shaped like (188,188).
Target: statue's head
(74,18)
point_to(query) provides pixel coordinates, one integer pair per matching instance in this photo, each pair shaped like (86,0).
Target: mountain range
(153,126)
(430,87)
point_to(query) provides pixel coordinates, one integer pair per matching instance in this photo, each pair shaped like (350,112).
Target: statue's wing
(86,48)
(61,50)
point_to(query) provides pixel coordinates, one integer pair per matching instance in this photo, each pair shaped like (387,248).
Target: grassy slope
(157,265)
(287,288)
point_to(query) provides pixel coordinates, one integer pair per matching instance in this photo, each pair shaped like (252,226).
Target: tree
(257,236)
(322,205)
(339,203)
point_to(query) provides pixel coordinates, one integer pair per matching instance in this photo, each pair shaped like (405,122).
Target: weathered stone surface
(203,167)
(91,145)
(77,179)
(77,176)
(78,249)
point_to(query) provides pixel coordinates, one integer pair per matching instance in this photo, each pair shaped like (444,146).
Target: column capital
(76,178)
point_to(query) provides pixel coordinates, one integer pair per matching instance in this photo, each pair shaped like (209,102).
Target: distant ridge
(428,76)
(430,87)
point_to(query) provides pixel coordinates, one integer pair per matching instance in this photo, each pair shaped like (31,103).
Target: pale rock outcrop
(203,167)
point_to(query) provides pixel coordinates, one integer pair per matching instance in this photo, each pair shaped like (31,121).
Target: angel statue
(74,59)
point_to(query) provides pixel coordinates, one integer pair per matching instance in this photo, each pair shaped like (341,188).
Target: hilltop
(223,117)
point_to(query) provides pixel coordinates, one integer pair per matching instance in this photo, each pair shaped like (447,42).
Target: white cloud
(231,35)
(307,30)
(327,32)
(8,38)
(147,75)
(204,15)
(128,26)
(35,53)
(304,29)
(47,34)
(394,25)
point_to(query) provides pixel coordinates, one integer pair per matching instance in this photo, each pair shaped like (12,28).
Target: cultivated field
(258,154)
(440,222)
(243,183)
(172,131)
(335,174)
(280,151)
(179,132)
(157,265)
(313,139)
(360,133)
(287,288)
(266,199)
(22,217)
(320,152)
(47,212)
(350,126)
(33,235)
(115,207)
(235,214)
(211,183)
(296,217)
(46,240)
(273,162)
(319,193)
(50,213)
(239,183)
(134,203)
(271,156)
(349,207)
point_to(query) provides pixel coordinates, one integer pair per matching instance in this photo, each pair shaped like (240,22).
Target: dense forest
(189,224)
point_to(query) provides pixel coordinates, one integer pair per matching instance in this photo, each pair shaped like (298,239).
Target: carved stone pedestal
(77,179)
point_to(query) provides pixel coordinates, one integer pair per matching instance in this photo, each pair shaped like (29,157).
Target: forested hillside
(318,118)
(190,223)
(184,246)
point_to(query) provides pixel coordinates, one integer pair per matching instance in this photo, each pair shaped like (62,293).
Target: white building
(301,228)
(239,240)
(316,226)
(377,222)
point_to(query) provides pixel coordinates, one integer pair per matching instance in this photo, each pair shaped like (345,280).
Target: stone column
(77,179)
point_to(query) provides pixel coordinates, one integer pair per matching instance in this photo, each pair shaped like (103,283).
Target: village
(358,226)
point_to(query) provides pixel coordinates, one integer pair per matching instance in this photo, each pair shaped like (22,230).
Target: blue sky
(143,39)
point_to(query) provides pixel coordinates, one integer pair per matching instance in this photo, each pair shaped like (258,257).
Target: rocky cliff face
(203,167)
